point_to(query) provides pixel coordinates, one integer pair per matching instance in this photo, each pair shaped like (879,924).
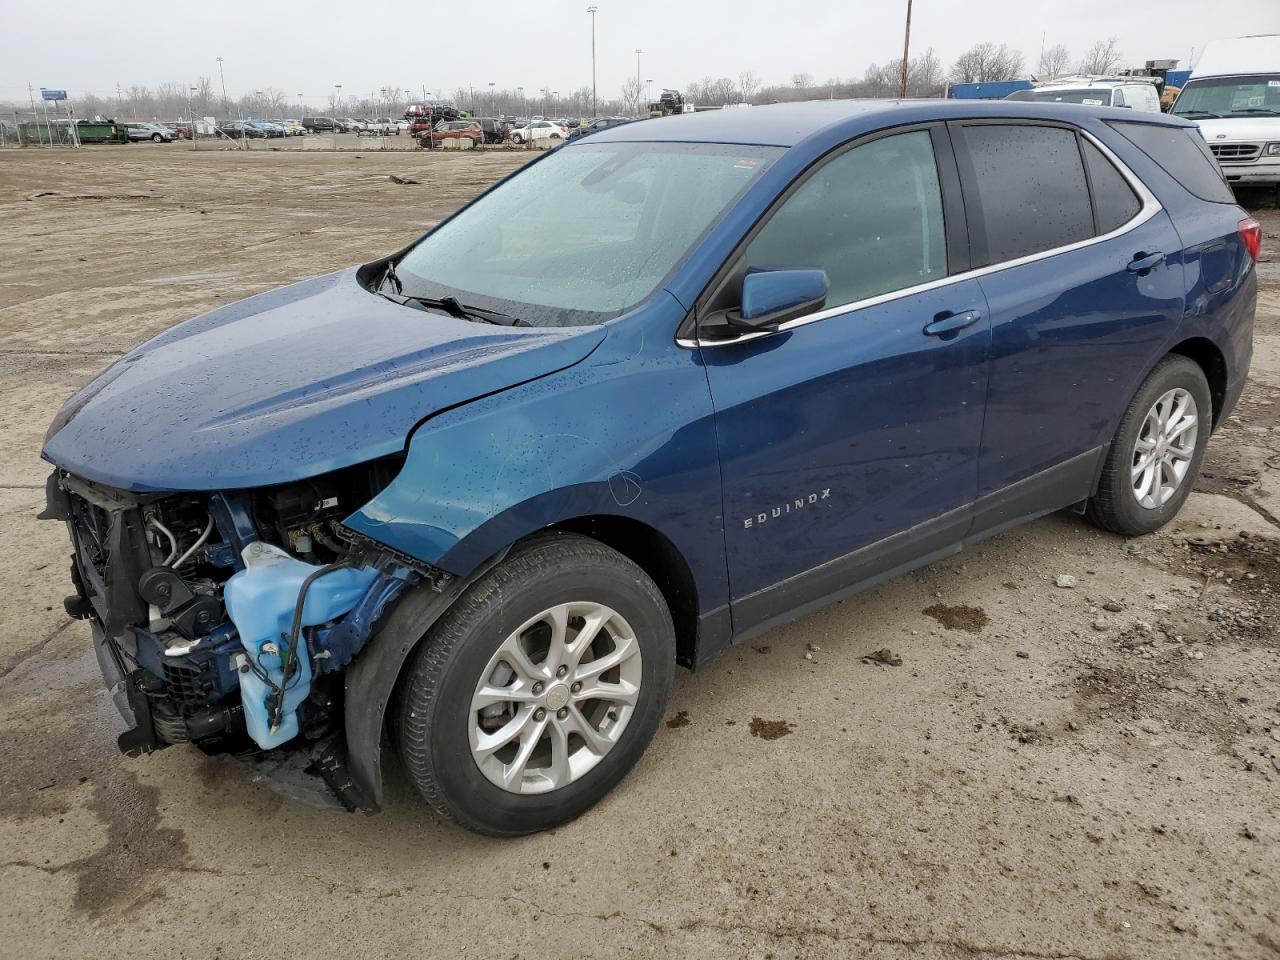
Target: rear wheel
(537,691)
(1156,455)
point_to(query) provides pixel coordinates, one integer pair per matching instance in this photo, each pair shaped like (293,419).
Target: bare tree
(986,63)
(748,85)
(632,94)
(1055,61)
(802,81)
(1102,58)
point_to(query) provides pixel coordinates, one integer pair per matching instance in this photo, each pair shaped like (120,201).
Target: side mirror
(772,297)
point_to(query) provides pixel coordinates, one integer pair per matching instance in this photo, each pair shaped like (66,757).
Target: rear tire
(1122,503)
(511,662)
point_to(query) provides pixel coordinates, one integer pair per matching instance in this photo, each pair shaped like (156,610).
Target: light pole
(226,107)
(493,104)
(638,52)
(524,107)
(337,98)
(191,115)
(595,110)
(302,107)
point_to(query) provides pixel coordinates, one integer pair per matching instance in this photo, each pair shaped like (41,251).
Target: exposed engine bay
(227,620)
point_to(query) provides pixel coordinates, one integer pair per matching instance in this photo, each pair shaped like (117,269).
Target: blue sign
(52,94)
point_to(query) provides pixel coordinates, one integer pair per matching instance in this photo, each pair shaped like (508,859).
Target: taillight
(1250,231)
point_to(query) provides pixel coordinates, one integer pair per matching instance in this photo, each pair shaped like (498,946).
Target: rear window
(1114,202)
(1087,96)
(1031,188)
(1182,153)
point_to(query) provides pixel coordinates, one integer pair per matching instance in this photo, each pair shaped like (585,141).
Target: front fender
(630,434)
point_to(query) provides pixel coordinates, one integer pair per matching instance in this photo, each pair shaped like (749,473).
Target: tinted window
(871,217)
(1031,188)
(1114,201)
(1183,154)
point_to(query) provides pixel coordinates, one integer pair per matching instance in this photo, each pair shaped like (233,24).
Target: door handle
(1143,262)
(947,323)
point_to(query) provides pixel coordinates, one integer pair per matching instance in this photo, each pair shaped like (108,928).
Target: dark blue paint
(839,433)
(296,382)
(768,291)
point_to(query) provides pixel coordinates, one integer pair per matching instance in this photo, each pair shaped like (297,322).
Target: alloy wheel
(555,697)
(1164,449)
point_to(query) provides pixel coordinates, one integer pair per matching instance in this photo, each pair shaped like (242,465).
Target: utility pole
(638,52)
(226,106)
(906,52)
(595,109)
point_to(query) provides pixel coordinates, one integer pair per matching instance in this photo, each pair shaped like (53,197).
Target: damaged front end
(228,619)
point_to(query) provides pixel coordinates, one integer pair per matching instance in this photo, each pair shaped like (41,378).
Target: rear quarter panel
(1218,275)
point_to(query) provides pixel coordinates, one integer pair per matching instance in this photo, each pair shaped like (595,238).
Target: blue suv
(659,391)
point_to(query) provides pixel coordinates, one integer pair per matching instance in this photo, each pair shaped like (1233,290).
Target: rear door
(848,439)
(1082,271)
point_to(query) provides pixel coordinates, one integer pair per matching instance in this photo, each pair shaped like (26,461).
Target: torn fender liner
(371,679)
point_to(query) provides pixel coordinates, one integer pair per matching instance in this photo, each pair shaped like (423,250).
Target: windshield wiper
(1270,113)
(450,305)
(1203,114)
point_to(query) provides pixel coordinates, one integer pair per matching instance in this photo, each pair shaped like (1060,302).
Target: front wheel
(516,138)
(1157,451)
(536,692)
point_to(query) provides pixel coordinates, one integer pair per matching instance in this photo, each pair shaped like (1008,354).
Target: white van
(1234,95)
(1136,93)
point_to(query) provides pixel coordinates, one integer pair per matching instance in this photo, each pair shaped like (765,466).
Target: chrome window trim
(1150,207)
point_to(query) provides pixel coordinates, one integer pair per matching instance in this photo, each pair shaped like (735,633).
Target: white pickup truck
(1234,96)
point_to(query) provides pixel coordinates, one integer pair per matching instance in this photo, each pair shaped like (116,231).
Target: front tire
(539,689)
(1156,455)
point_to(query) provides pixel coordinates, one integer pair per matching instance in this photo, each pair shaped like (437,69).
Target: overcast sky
(307,46)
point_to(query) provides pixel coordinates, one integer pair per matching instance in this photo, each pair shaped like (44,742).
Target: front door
(859,423)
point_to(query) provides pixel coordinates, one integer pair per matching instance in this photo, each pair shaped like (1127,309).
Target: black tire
(1115,506)
(156,138)
(436,690)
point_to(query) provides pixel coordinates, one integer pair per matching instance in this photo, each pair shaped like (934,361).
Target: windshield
(1215,97)
(585,234)
(1090,96)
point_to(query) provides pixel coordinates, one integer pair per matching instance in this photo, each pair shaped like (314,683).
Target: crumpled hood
(290,384)
(1240,130)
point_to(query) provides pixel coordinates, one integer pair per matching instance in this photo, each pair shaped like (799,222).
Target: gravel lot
(1079,770)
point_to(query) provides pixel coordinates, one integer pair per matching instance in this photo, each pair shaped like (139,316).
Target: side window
(1117,98)
(871,218)
(1031,189)
(1183,154)
(1114,202)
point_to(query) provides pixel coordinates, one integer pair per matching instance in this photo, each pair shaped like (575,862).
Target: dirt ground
(971,761)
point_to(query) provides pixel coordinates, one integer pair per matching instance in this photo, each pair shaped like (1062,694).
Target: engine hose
(291,651)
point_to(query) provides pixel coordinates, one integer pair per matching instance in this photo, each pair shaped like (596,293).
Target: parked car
(495,130)
(150,131)
(292,128)
(385,126)
(739,365)
(456,130)
(237,129)
(539,130)
(181,129)
(351,124)
(1233,94)
(1135,93)
(268,129)
(593,126)
(321,125)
